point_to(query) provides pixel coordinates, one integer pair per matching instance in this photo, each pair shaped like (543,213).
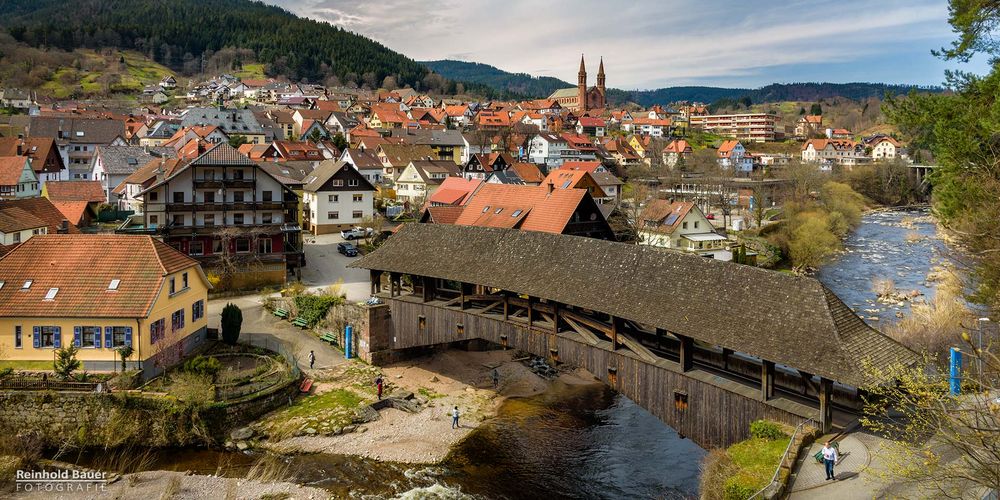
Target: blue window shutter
(57,338)
(77,336)
(97,337)
(107,337)
(36,335)
(128,335)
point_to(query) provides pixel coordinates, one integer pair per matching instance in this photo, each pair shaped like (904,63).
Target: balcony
(218,183)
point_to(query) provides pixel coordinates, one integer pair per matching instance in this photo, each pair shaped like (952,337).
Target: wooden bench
(328,337)
(281,313)
(300,322)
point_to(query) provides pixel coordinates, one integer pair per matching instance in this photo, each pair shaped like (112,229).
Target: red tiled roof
(528,172)
(11,168)
(454,191)
(678,146)
(75,191)
(658,211)
(15,219)
(447,214)
(72,210)
(574,179)
(36,148)
(530,208)
(82,267)
(41,208)
(588,166)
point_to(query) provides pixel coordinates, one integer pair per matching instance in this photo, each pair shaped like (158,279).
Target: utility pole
(979,352)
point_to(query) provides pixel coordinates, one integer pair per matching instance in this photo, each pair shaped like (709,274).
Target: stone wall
(362,318)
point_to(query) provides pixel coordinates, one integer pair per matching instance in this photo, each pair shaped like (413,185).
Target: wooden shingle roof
(791,320)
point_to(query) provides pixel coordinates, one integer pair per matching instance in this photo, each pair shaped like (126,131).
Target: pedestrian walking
(454,418)
(312,359)
(378,384)
(496,379)
(829,459)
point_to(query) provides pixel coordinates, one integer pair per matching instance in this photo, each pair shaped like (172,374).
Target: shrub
(736,490)
(214,279)
(203,365)
(5,372)
(766,430)
(232,321)
(66,362)
(716,467)
(192,388)
(313,308)
(125,352)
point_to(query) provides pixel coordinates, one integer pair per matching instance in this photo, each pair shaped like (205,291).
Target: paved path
(325,266)
(809,479)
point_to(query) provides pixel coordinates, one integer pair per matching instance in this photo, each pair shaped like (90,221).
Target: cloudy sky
(657,43)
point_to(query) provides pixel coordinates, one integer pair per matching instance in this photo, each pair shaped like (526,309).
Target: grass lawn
(250,71)
(335,408)
(757,459)
(26,365)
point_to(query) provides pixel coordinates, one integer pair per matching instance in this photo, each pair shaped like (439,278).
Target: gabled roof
(528,172)
(11,168)
(82,267)
(726,148)
(791,320)
(123,160)
(73,210)
(664,216)
(36,148)
(364,160)
(13,219)
(41,208)
(530,208)
(87,191)
(588,166)
(446,214)
(454,191)
(401,154)
(678,146)
(574,179)
(77,130)
(329,168)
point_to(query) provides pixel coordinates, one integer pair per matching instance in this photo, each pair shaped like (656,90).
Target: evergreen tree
(66,362)
(232,321)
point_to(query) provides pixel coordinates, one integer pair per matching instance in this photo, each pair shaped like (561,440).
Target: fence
(274,378)
(784,456)
(113,214)
(23,383)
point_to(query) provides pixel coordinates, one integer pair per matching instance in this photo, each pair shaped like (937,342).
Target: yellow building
(101,292)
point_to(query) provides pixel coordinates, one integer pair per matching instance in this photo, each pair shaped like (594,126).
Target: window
(87,337)
(47,337)
(209,220)
(352,182)
(243,245)
(18,342)
(357,214)
(198,310)
(178,219)
(332,215)
(120,336)
(684,225)
(154,196)
(266,218)
(209,196)
(184,281)
(333,198)
(238,174)
(486,209)
(696,224)
(17,237)
(237,219)
(680,400)
(178,197)
(154,220)
(173,286)
(266,196)
(26,285)
(177,320)
(238,196)
(264,245)
(51,294)
(338,182)
(208,175)
(358,198)
(157,330)
(217,245)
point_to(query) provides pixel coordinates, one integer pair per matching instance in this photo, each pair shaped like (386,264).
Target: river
(585,441)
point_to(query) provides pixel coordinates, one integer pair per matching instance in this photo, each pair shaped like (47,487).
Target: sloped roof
(15,219)
(364,160)
(123,160)
(82,267)
(72,210)
(455,191)
(446,214)
(36,148)
(41,208)
(564,93)
(11,168)
(327,169)
(791,320)
(90,191)
(528,172)
(663,216)
(79,130)
(537,208)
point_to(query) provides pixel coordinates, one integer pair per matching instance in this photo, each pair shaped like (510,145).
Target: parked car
(356,233)
(347,249)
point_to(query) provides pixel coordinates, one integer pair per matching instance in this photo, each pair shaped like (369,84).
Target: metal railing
(22,383)
(777,470)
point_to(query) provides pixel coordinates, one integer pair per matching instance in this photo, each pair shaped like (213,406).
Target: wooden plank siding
(718,413)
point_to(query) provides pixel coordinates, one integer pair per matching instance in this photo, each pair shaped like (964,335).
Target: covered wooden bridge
(706,346)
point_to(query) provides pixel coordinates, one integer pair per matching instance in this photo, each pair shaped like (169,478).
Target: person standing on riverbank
(378,385)
(312,359)
(829,459)
(454,418)
(496,379)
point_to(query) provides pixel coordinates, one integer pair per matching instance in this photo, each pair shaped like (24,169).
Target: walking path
(809,478)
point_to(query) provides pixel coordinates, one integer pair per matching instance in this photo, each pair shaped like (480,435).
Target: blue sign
(955,382)
(348,330)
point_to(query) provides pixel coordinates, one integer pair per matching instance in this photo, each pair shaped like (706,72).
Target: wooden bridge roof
(791,320)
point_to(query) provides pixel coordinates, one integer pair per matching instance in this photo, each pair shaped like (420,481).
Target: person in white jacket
(829,459)
(454,418)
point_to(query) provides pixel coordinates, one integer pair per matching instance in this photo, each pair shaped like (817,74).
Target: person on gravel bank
(454,418)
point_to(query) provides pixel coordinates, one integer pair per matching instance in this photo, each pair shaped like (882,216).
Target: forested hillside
(184,34)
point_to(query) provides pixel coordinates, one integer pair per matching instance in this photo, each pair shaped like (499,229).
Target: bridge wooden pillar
(555,317)
(766,379)
(506,305)
(461,291)
(825,405)
(686,353)
(531,320)
(395,287)
(725,358)
(615,324)
(427,284)
(376,279)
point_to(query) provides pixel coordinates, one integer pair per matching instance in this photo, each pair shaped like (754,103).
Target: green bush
(313,308)
(766,430)
(203,365)
(5,372)
(232,322)
(66,363)
(736,490)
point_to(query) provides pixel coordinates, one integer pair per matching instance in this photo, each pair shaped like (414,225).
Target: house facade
(336,197)
(680,226)
(17,178)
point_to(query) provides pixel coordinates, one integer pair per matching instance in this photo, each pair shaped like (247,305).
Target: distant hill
(185,34)
(539,87)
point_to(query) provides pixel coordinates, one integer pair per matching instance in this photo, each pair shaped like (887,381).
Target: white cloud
(649,44)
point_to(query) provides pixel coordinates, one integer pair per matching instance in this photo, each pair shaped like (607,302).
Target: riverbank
(438,383)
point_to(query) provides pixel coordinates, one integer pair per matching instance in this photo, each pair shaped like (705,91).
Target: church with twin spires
(581,98)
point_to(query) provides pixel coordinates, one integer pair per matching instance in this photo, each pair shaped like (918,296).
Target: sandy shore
(448,379)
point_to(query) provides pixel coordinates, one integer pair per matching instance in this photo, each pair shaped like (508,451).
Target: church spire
(581,86)
(600,77)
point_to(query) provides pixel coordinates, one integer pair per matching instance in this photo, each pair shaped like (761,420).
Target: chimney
(551,185)
(63,227)
(20,148)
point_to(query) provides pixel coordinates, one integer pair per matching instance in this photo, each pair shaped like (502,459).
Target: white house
(840,151)
(884,147)
(336,197)
(418,181)
(732,154)
(17,178)
(681,226)
(547,149)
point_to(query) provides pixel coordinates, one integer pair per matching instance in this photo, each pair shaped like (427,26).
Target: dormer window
(26,285)
(499,210)
(114,284)
(51,294)
(486,209)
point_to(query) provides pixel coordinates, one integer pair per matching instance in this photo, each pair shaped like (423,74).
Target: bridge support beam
(766,379)
(530,316)
(725,357)
(427,284)
(461,291)
(615,326)
(825,405)
(376,278)
(506,305)
(395,284)
(686,353)
(555,317)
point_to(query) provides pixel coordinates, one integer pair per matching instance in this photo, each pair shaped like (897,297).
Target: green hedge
(313,308)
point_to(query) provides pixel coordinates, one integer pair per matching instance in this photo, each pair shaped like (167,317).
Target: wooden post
(530,319)
(766,379)
(461,287)
(506,305)
(825,405)
(660,334)
(555,317)
(392,284)
(614,333)
(376,278)
(425,284)
(725,358)
(686,353)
